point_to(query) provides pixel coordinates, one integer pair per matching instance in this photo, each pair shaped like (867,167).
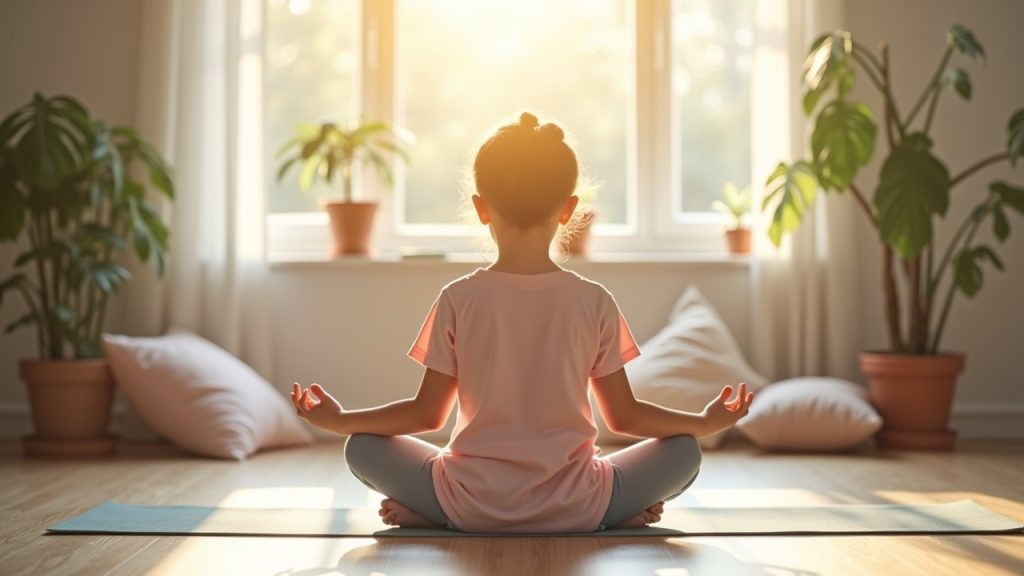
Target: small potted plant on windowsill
(575,237)
(67,182)
(735,203)
(328,151)
(912,383)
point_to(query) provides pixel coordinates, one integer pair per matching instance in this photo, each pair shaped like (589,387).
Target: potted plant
(912,382)
(329,150)
(735,203)
(574,239)
(67,182)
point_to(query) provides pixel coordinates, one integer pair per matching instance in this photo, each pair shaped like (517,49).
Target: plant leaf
(1000,225)
(959,80)
(1012,196)
(792,190)
(913,186)
(24,320)
(1015,136)
(11,283)
(967,272)
(842,142)
(827,64)
(12,203)
(964,42)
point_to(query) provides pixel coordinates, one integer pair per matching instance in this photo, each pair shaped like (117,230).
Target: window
(712,44)
(311,69)
(465,65)
(655,95)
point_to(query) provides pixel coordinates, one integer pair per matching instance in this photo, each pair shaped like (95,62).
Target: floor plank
(36,494)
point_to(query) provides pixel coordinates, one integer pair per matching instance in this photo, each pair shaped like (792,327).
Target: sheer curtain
(199,102)
(804,300)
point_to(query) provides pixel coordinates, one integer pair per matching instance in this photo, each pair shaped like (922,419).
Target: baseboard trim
(974,420)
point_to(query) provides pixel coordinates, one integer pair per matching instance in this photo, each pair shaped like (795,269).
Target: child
(517,343)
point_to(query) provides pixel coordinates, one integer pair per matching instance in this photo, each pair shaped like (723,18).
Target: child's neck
(524,251)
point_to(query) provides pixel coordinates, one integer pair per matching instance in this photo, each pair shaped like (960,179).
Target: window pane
(711,57)
(310,74)
(467,65)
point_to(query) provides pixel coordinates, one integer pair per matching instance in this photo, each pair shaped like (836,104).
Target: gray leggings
(645,473)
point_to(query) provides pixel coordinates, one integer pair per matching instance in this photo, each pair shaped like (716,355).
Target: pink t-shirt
(522,347)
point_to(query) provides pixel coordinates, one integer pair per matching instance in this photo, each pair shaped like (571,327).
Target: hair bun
(551,131)
(527,120)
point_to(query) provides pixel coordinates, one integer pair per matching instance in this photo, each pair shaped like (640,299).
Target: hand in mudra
(722,413)
(315,405)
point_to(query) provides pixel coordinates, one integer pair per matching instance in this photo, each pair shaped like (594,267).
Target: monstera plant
(68,183)
(913,192)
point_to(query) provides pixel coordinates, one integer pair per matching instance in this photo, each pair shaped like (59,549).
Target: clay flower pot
(739,240)
(70,402)
(578,243)
(351,227)
(914,395)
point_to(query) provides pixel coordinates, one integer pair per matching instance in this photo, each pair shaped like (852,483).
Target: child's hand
(720,414)
(316,406)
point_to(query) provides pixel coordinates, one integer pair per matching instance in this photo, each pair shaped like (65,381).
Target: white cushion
(686,365)
(811,414)
(200,397)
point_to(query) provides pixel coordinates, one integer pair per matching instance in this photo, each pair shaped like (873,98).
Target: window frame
(653,224)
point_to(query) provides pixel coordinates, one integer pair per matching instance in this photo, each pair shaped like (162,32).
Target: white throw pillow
(685,366)
(811,414)
(200,397)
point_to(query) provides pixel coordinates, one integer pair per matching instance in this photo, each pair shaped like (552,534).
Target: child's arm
(626,415)
(427,412)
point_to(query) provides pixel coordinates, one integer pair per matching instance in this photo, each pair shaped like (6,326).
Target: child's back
(516,344)
(522,347)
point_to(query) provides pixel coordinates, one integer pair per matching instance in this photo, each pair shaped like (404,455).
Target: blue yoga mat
(962,517)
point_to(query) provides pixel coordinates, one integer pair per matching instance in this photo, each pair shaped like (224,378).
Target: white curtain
(199,103)
(804,300)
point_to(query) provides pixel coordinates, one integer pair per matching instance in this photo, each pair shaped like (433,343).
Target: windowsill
(469,258)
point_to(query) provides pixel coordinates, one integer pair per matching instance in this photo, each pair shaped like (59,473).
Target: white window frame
(654,224)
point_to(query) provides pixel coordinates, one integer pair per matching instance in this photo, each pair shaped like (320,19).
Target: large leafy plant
(68,182)
(914,185)
(328,150)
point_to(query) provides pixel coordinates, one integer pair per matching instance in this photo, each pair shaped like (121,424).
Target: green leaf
(10,284)
(959,80)
(827,64)
(310,168)
(792,190)
(842,142)
(283,169)
(24,320)
(913,187)
(12,202)
(967,272)
(964,42)
(1015,136)
(1000,225)
(1012,196)
(91,231)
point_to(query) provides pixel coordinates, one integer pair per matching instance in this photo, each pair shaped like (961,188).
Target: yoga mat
(962,517)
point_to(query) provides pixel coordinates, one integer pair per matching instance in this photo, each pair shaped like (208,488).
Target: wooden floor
(35,494)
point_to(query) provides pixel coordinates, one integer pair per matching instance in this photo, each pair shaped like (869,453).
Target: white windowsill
(462,259)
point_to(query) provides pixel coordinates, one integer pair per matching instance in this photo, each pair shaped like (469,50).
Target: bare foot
(651,515)
(394,514)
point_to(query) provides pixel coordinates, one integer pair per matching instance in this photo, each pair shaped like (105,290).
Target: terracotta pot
(739,240)
(70,402)
(914,395)
(578,244)
(351,226)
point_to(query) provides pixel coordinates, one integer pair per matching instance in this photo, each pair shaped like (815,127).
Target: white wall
(989,329)
(86,49)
